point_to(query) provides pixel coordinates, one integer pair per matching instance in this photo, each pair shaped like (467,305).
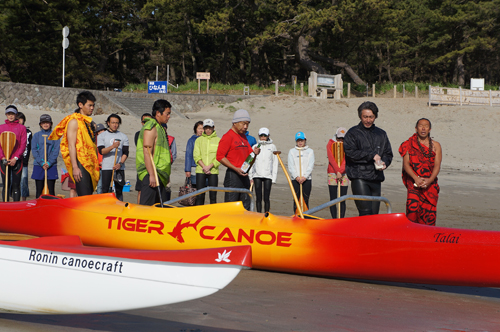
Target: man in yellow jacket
(207,166)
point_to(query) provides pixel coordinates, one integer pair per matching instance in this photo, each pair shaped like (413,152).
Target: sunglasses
(263,135)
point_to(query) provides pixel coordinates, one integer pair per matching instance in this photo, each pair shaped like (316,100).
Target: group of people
(95,157)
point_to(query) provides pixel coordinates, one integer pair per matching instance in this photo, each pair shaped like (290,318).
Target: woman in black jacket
(368,152)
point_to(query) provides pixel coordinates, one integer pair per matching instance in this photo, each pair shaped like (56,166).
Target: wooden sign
(202,76)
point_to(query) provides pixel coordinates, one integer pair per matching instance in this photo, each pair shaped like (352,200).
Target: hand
(240,172)
(188,174)
(420,182)
(152,181)
(77,174)
(206,169)
(117,167)
(339,176)
(256,151)
(425,183)
(45,166)
(12,162)
(115,144)
(377,159)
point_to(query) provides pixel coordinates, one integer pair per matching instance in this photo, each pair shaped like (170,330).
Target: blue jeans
(99,184)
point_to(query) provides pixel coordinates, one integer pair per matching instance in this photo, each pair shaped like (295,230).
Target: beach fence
(457,96)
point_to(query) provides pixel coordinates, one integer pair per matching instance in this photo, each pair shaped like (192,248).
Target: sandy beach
(267,301)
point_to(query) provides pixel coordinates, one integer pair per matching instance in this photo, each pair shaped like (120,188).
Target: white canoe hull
(36,281)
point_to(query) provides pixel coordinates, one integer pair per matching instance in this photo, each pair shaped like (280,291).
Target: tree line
(117,42)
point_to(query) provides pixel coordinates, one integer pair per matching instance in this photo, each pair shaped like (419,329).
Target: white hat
(208,123)
(341,132)
(264,131)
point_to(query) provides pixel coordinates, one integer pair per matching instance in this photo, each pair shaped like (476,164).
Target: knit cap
(241,115)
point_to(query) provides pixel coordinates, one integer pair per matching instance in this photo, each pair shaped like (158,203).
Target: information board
(157,86)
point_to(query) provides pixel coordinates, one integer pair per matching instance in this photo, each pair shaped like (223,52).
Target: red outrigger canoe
(382,247)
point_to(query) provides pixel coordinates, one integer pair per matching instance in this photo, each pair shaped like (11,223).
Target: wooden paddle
(303,205)
(339,157)
(7,141)
(277,153)
(113,173)
(156,173)
(45,186)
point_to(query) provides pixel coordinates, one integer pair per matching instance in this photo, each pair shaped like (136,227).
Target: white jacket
(307,162)
(266,163)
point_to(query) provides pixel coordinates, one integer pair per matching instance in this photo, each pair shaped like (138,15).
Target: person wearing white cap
(233,150)
(336,172)
(38,147)
(15,162)
(300,167)
(204,154)
(264,171)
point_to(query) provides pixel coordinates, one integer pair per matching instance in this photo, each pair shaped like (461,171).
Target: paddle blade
(7,141)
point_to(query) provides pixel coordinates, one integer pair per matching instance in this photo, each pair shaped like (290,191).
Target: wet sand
(269,301)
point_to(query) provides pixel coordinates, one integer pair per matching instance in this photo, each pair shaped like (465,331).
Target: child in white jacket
(300,167)
(265,170)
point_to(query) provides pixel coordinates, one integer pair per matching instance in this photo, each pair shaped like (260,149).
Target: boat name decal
(280,239)
(136,225)
(176,233)
(76,262)
(446,237)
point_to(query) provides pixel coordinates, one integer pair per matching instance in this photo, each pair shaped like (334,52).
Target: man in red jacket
(233,150)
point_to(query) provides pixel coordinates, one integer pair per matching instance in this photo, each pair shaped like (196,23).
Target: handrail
(351,197)
(220,189)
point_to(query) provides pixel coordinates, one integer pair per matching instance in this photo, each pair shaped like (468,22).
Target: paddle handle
(277,153)
(45,186)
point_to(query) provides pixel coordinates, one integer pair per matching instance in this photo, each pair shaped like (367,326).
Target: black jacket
(360,146)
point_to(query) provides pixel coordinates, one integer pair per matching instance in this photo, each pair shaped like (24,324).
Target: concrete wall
(50,98)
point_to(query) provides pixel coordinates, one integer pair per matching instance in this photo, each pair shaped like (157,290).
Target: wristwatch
(16,158)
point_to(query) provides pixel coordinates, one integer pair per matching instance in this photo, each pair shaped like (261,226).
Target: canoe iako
(380,247)
(57,275)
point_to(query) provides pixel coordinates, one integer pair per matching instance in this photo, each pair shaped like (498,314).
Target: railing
(219,189)
(352,198)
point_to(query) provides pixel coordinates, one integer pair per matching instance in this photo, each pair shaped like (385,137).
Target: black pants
(41,183)
(84,187)
(107,185)
(333,195)
(150,196)
(306,192)
(201,182)
(15,174)
(366,188)
(262,188)
(234,180)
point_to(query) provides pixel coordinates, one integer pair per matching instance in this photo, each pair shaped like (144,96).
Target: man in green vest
(153,141)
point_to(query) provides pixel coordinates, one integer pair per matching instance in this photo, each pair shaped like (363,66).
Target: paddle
(45,186)
(339,157)
(302,203)
(7,141)
(277,153)
(114,163)
(156,173)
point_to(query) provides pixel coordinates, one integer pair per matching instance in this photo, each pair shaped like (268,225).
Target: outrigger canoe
(57,275)
(381,247)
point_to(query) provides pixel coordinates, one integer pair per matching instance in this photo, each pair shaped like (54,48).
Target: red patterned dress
(420,202)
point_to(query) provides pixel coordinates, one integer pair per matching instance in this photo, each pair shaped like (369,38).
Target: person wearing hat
(368,153)
(15,162)
(40,147)
(264,171)
(78,144)
(233,150)
(204,154)
(25,190)
(300,167)
(336,173)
